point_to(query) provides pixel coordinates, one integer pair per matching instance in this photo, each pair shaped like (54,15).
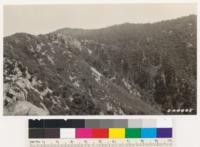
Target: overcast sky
(40,19)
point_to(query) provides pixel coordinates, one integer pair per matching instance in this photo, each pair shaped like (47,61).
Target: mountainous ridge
(84,73)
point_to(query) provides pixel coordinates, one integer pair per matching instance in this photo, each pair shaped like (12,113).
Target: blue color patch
(148,132)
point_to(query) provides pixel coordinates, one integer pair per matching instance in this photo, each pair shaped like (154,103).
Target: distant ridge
(125,69)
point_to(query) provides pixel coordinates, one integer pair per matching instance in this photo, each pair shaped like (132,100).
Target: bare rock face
(124,69)
(17,90)
(25,108)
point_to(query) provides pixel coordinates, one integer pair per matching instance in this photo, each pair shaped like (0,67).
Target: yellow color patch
(116,133)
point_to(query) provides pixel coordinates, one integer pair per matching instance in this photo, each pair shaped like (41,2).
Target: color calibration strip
(100,128)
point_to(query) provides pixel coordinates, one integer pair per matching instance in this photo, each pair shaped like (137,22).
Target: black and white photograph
(100,59)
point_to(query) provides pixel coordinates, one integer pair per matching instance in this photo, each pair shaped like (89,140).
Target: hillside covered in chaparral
(124,69)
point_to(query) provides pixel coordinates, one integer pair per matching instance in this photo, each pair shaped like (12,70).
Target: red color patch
(100,133)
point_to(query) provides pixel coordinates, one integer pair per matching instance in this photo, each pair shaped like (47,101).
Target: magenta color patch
(83,133)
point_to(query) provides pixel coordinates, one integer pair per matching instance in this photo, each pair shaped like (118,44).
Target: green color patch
(133,133)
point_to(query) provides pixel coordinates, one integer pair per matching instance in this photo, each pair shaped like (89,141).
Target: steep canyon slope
(123,69)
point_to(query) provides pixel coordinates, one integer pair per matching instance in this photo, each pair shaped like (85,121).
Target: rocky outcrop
(128,71)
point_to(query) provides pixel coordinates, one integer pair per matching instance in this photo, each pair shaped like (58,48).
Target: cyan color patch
(148,132)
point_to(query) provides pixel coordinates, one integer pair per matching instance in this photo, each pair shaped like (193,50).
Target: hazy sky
(39,19)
